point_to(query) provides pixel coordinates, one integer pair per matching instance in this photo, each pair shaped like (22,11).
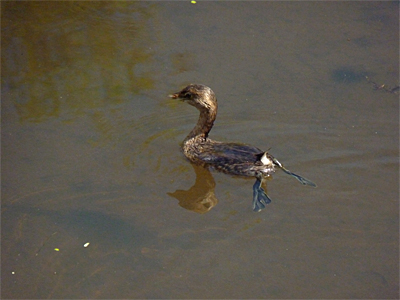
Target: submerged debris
(383,87)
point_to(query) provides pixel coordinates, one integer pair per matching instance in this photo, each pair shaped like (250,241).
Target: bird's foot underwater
(260,198)
(303,181)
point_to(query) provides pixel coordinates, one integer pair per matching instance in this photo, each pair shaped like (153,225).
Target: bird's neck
(204,124)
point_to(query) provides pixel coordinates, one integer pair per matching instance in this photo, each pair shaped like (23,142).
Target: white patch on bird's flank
(265,160)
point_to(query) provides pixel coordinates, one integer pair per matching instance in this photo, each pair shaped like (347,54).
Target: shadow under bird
(231,158)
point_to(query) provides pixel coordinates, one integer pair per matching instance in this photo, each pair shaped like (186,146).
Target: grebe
(230,158)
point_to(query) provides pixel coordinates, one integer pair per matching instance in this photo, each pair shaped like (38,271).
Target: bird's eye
(188,95)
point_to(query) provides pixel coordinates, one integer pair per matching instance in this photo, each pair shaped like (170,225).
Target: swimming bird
(231,158)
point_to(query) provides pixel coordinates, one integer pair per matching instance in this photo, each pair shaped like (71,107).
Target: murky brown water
(90,150)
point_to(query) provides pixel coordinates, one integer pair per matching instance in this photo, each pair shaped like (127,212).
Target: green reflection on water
(66,57)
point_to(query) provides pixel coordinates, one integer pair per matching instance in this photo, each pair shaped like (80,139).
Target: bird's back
(234,158)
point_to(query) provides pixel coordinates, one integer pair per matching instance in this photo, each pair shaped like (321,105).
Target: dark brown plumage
(231,158)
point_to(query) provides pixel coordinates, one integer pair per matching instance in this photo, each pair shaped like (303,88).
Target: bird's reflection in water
(200,197)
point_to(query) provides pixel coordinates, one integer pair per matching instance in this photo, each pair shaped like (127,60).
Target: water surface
(90,150)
